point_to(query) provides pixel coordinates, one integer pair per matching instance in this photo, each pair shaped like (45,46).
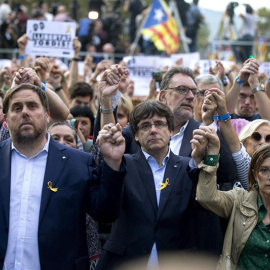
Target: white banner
(141,68)
(265,68)
(205,64)
(187,58)
(53,39)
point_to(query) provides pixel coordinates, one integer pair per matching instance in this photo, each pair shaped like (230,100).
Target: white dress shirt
(176,140)
(27,175)
(158,175)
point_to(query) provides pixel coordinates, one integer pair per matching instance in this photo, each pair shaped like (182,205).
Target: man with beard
(46,188)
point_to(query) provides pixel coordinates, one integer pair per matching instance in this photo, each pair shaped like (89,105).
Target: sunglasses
(256,136)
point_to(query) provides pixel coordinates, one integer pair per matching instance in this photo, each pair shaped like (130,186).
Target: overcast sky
(221,5)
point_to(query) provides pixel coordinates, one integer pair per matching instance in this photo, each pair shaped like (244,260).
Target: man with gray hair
(204,82)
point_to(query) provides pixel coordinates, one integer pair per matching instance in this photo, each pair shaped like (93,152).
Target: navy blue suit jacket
(141,223)
(226,172)
(61,232)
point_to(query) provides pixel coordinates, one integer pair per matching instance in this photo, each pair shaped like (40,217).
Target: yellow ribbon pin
(163,185)
(68,29)
(51,188)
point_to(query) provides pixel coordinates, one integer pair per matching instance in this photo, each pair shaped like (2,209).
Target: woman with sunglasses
(254,134)
(247,240)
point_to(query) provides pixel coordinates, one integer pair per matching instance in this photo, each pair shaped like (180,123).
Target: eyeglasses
(184,90)
(147,126)
(200,93)
(256,136)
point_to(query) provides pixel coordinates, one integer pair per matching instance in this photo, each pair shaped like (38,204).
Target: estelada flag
(161,28)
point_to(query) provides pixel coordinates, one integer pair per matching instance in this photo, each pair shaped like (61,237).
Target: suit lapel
(146,178)
(5,177)
(56,161)
(171,172)
(185,149)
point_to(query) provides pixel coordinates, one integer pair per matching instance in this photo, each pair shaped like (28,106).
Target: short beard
(29,139)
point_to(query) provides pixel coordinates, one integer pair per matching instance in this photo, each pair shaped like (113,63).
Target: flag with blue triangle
(161,28)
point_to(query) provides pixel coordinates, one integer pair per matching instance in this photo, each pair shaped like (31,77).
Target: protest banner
(265,68)
(187,58)
(205,64)
(50,38)
(5,63)
(141,68)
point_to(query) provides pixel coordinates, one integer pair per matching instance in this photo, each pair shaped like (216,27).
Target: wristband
(211,160)
(228,72)
(222,118)
(225,81)
(239,81)
(106,111)
(58,88)
(63,80)
(43,86)
(4,88)
(21,57)
(76,59)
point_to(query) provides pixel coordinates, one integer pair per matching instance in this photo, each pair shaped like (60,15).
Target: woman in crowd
(247,239)
(254,134)
(124,109)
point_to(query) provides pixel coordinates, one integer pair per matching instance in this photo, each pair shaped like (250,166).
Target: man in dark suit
(178,92)
(46,188)
(158,207)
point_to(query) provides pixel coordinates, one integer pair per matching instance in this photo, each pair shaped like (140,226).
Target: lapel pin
(51,188)
(175,166)
(63,157)
(163,185)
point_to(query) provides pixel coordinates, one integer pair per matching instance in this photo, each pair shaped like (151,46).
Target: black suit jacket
(227,169)
(62,224)
(142,223)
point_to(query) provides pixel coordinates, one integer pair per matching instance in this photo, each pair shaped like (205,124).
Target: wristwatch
(258,88)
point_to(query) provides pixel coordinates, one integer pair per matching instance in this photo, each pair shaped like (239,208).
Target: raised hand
(56,76)
(76,46)
(199,145)
(22,41)
(208,108)
(210,134)
(41,67)
(111,79)
(111,144)
(250,67)
(220,100)
(27,75)
(218,71)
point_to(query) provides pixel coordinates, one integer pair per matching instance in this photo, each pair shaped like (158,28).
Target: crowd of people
(93,177)
(107,34)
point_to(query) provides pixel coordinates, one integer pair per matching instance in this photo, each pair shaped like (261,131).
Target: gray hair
(209,79)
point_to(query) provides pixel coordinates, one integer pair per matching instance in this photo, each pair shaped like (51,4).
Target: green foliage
(263,26)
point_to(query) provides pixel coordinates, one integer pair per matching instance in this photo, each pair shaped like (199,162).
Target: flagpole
(185,40)
(138,33)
